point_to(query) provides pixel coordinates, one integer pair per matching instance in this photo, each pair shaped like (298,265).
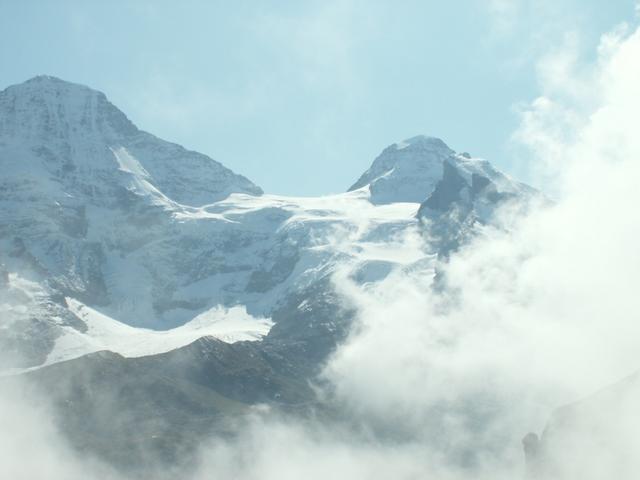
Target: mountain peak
(422,142)
(410,171)
(50,85)
(48,108)
(49,80)
(406,171)
(73,135)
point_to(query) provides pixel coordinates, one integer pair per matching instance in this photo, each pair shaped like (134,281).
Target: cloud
(31,448)
(279,449)
(530,318)
(504,15)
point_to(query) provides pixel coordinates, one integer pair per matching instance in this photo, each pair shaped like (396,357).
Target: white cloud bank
(529,319)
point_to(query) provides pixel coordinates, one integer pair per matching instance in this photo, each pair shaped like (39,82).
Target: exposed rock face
(464,199)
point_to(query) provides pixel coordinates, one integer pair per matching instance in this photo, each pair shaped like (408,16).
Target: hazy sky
(301,96)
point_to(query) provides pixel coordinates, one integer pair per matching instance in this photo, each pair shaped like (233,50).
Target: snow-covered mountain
(131,265)
(410,171)
(108,232)
(456,192)
(71,138)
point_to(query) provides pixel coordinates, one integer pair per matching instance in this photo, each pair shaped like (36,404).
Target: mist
(32,447)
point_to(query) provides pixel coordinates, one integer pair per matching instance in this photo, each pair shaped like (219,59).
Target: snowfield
(105,333)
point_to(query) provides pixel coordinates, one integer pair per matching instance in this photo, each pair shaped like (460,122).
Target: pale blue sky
(301,96)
